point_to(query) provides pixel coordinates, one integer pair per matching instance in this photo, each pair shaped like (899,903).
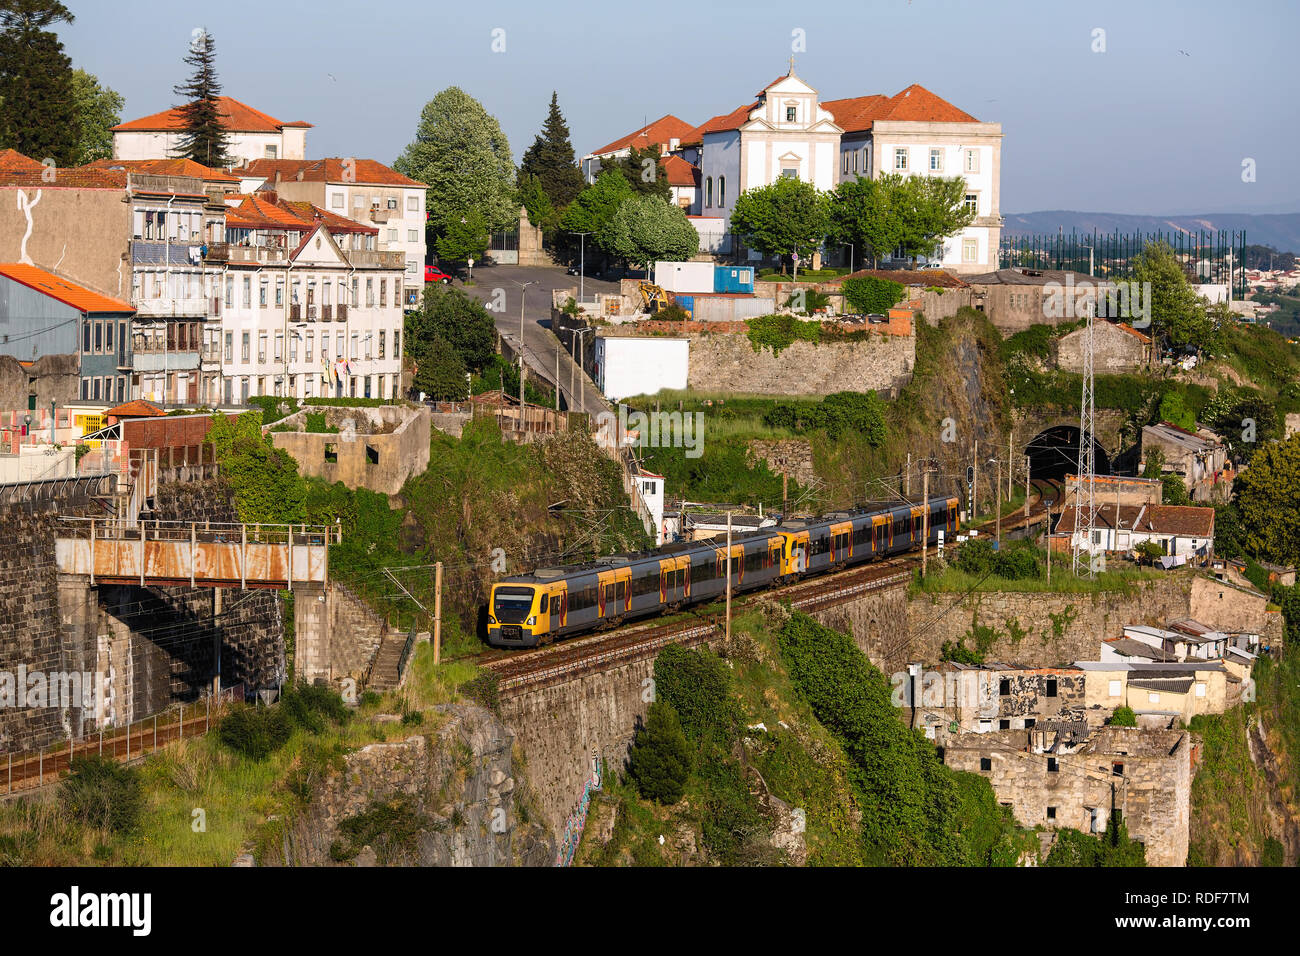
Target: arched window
(722,190)
(708,191)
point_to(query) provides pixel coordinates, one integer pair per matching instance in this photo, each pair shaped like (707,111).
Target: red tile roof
(136,409)
(64,291)
(11,159)
(41,177)
(728,121)
(680,172)
(259,212)
(915,104)
(236,117)
(657,133)
(366,172)
(335,223)
(910,277)
(167,167)
(1183,520)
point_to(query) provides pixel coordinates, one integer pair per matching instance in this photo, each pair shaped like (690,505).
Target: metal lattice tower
(1085,510)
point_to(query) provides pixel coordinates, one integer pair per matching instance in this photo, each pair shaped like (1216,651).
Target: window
(392,235)
(1052,765)
(1200,689)
(789,173)
(397,343)
(383,336)
(293,351)
(372,458)
(1051,687)
(355,340)
(279,292)
(1004,724)
(1117,769)
(855,160)
(791,113)
(1030,723)
(412,235)
(986,763)
(108,336)
(970,250)
(311,341)
(230,347)
(412,203)
(900,158)
(708,191)
(972,202)
(261,294)
(243,350)
(272,152)
(844,164)
(972,161)
(358,202)
(1051,813)
(99,338)
(936,160)
(1114,688)
(279,346)
(230,292)
(370,293)
(383,293)
(261,348)
(248,292)
(1004,686)
(340,345)
(336,201)
(722,190)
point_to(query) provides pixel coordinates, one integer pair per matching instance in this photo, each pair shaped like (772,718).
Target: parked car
(434,274)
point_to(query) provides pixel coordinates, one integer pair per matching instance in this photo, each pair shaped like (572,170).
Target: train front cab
(526,615)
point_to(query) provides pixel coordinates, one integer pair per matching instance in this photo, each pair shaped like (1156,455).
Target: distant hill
(1281,231)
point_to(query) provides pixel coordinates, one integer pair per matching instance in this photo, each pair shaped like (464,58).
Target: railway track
(528,670)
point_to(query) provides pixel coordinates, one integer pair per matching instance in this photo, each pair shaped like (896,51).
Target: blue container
(687,302)
(733,279)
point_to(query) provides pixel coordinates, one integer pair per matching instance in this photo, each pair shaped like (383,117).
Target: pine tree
(551,160)
(38,115)
(644,171)
(204,139)
(660,760)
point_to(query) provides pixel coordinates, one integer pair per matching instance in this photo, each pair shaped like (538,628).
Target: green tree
(1177,312)
(593,208)
(646,229)
(660,760)
(204,137)
(1123,717)
(38,115)
(440,373)
(98,109)
(541,213)
(644,171)
(696,684)
(1175,412)
(461,154)
(932,208)
(787,217)
(264,479)
(1112,848)
(862,212)
(464,238)
(449,315)
(550,159)
(1268,498)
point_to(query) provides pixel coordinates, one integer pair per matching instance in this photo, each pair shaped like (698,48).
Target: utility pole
(728,624)
(925,517)
(437,613)
(975,483)
(1048,536)
(907,477)
(997,499)
(785,495)
(1011,441)
(557,375)
(1026,495)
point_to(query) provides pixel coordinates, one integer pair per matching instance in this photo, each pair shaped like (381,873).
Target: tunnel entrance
(1054,453)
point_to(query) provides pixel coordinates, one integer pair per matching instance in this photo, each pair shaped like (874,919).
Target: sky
(1155,115)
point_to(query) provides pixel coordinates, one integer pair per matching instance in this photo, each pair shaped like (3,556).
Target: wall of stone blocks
(721,362)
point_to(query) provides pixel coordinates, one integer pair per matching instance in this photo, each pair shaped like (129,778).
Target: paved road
(505,285)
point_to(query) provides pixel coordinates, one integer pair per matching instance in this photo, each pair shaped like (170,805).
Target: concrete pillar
(311,633)
(78,615)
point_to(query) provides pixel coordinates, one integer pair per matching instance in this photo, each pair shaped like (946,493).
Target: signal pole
(728,625)
(925,517)
(437,613)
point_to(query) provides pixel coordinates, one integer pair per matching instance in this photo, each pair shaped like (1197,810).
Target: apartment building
(251,134)
(363,190)
(309,306)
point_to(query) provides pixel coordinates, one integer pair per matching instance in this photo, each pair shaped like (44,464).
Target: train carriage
(527,610)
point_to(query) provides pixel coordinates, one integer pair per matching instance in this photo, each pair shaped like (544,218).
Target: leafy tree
(592,210)
(533,198)
(441,373)
(204,139)
(449,315)
(1177,312)
(1173,411)
(644,171)
(932,208)
(696,684)
(98,109)
(551,161)
(862,213)
(870,295)
(461,154)
(1150,552)
(787,217)
(464,238)
(1229,538)
(646,229)
(1268,497)
(38,115)
(660,760)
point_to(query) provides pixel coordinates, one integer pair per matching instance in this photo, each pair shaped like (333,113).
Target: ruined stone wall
(721,362)
(1154,790)
(1041,629)
(1228,608)
(786,456)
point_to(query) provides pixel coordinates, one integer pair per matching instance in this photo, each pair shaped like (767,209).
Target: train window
(545,602)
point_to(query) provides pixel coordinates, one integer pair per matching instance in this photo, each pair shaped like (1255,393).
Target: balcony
(167,308)
(258,255)
(327,313)
(370,257)
(145,252)
(381,215)
(341,313)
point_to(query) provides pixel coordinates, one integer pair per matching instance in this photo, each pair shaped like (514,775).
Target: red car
(433,274)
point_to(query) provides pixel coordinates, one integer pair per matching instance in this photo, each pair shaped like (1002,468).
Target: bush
(870,295)
(975,557)
(1016,563)
(103,793)
(1113,848)
(255,732)
(696,684)
(1123,717)
(391,829)
(660,761)
(841,412)
(311,706)
(778,332)
(1149,552)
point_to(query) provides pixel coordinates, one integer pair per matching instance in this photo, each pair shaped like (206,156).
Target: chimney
(277,179)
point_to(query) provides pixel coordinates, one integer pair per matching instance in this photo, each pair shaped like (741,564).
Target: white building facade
(251,134)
